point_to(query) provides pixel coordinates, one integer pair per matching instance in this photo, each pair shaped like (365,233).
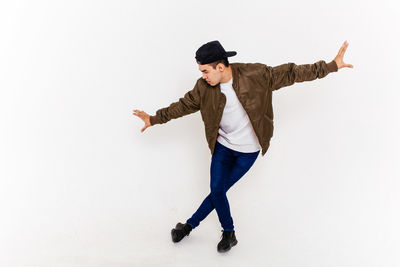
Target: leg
(237,168)
(244,162)
(221,164)
(221,167)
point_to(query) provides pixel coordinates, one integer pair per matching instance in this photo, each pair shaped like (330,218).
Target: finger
(341,48)
(138,113)
(348,65)
(141,117)
(344,47)
(341,51)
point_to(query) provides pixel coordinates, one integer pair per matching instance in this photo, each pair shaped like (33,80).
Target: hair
(215,63)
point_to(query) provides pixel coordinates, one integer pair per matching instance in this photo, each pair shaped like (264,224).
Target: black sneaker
(180,231)
(228,240)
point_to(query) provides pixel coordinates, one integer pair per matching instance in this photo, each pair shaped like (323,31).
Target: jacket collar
(235,78)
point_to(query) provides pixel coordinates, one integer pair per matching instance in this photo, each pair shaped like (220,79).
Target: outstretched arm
(290,73)
(187,104)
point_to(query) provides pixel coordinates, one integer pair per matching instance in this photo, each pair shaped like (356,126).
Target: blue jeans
(227,167)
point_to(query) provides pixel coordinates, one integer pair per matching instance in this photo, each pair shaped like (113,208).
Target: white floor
(119,242)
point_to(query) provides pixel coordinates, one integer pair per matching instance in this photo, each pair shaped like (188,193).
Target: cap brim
(230,53)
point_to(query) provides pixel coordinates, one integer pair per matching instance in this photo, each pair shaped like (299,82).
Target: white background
(82,186)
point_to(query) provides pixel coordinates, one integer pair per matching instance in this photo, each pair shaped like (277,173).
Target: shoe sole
(225,250)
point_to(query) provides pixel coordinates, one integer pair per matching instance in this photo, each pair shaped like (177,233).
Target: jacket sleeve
(290,73)
(187,104)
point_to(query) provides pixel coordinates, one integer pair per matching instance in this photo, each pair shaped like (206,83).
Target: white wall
(82,186)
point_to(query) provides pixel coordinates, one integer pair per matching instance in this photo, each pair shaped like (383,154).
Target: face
(211,75)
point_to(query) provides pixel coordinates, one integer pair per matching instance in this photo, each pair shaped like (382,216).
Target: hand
(144,116)
(339,58)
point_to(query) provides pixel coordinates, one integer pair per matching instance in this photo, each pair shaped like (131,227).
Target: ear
(220,67)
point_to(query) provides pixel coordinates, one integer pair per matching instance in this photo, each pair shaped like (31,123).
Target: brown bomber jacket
(253,84)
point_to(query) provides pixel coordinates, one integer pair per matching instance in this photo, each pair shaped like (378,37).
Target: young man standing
(235,101)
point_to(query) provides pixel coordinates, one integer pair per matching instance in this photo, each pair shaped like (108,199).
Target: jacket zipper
(221,107)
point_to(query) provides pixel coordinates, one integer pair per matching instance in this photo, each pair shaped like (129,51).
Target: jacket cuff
(154,120)
(332,66)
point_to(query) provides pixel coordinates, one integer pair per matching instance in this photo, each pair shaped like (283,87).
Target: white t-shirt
(235,129)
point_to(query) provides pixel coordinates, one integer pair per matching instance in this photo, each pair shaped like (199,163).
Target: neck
(227,75)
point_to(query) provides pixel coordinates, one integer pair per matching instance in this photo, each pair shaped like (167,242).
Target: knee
(216,191)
